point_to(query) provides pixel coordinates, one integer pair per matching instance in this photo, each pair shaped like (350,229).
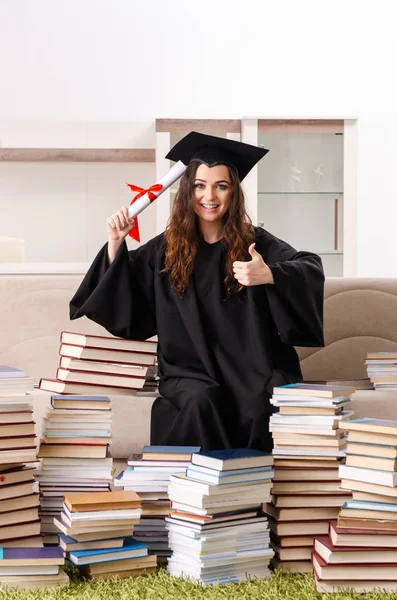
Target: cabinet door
(300,193)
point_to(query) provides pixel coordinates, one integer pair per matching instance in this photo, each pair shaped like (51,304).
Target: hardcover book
(236,458)
(318,390)
(98,341)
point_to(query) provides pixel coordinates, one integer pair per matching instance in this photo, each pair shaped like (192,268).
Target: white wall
(130,60)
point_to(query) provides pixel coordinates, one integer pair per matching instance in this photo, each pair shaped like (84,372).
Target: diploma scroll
(146,196)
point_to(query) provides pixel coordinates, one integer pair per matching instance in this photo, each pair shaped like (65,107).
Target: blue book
(32,556)
(170,449)
(134,549)
(233,458)
(7,372)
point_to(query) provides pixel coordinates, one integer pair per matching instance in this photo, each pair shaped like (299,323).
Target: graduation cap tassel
(157,187)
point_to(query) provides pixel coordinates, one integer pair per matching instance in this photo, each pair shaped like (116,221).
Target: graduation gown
(219,355)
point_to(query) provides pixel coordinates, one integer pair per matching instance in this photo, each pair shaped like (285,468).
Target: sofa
(360,316)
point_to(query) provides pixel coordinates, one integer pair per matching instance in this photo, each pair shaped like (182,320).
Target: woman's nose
(209,193)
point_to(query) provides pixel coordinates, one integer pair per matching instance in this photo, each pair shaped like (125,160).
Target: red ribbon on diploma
(157,187)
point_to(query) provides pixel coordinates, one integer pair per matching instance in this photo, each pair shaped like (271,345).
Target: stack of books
(216,530)
(74,454)
(32,568)
(19,500)
(97,530)
(148,474)
(14,381)
(382,369)
(308,447)
(24,563)
(360,551)
(92,364)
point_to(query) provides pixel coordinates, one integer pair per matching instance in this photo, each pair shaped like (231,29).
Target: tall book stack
(216,530)
(23,560)
(92,364)
(309,445)
(149,474)
(97,530)
(19,501)
(74,454)
(382,369)
(361,549)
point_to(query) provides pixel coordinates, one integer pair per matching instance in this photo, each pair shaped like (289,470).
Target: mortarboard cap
(212,150)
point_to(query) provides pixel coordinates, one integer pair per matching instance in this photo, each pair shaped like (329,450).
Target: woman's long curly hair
(183,236)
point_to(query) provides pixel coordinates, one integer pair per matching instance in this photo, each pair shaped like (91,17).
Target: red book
(352,554)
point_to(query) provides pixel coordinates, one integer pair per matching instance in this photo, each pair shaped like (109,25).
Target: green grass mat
(160,586)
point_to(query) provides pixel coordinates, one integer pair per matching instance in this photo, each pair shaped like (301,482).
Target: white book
(388,478)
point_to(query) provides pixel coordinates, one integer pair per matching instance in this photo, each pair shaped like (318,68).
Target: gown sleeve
(119,296)
(297,297)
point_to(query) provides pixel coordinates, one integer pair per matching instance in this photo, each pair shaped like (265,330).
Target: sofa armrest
(375,404)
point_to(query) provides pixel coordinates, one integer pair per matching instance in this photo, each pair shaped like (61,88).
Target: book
(372,497)
(371,450)
(370,425)
(19,475)
(80,402)
(20,416)
(182,453)
(132,565)
(368,524)
(106,355)
(359,383)
(19,530)
(302,553)
(31,556)
(302,513)
(294,528)
(24,581)
(19,516)
(65,387)
(331,554)
(102,501)
(78,364)
(72,450)
(89,377)
(355,571)
(371,462)
(317,390)
(307,487)
(306,410)
(372,488)
(384,478)
(16,490)
(20,455)
(16,429)
(367,538)
(382,355)
(68,543)
(370,437)
(339,585)
(236,458)
(113,343)
(369,510)
(306,501)
(133,550)
(7,372)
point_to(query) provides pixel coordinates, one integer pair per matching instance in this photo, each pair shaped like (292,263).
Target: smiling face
(212,192)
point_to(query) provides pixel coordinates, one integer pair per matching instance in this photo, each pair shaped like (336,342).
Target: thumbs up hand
(254,271)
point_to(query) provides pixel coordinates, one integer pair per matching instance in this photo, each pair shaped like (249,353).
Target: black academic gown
(219,356)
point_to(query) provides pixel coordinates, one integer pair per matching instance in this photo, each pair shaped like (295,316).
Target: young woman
(228,301)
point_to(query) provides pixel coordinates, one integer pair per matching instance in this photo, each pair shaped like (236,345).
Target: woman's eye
(222,187)
(198,185)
